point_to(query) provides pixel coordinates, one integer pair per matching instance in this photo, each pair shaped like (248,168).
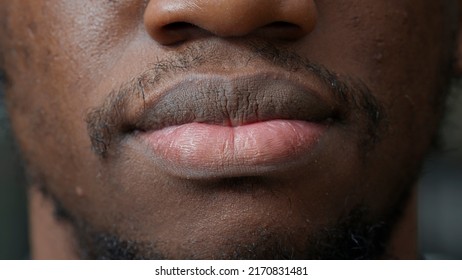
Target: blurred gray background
(440,194)
(13,217)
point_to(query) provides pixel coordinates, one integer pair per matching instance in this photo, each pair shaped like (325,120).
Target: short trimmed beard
(354,237)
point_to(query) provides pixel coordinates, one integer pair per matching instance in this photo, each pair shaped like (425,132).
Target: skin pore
(90,86)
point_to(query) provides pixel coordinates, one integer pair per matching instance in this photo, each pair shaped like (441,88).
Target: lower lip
(198,149)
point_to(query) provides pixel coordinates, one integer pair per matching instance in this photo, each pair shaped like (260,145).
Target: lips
(240,125)
(234,101)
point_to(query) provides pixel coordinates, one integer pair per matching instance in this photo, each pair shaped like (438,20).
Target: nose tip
(173,21)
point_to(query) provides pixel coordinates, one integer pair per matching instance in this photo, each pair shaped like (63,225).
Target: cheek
(399,50)
(50,62)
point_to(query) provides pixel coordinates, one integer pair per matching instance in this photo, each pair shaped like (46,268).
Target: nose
(174,21)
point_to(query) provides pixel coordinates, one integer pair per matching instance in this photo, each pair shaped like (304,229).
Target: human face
(226,129)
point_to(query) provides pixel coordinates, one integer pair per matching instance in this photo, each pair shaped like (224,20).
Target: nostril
(277,27)
(179,31)
(281,30)
(178,26)
(281,25)
(176,21)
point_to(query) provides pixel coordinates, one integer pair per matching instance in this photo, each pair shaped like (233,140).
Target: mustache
(107,123)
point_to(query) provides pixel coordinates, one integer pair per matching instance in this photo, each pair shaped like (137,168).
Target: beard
(352,237)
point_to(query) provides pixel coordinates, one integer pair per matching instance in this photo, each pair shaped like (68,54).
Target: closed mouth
(184,111)
(236,125)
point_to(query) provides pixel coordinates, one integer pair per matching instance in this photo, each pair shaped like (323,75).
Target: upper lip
(233,84)
(233,100)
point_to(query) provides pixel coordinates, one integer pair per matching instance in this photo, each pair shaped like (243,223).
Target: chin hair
(353,236)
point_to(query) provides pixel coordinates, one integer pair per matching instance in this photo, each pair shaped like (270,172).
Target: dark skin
(64,60)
